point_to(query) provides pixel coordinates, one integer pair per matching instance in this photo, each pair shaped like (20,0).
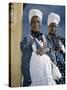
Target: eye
(38,21)
(32,21)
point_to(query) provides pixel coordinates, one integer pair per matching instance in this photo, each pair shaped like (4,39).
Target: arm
(42,46)
(51,52)
(46,49)
(23,44)
(61,46)
(25,60)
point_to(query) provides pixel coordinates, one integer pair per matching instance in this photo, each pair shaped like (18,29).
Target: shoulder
(62,39)
(26,39)
(25,42)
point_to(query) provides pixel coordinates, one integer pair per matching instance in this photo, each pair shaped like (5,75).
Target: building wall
(15,38)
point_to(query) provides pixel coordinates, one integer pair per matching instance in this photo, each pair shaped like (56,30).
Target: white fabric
(35,12)
(53,18)
(56,72)
(40,69)
(44,39)
(62,46)
(34,47)
(39,42)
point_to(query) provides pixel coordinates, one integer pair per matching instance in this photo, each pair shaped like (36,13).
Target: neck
(35,33)
(51,34)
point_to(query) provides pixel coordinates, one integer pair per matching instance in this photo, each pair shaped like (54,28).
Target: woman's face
(35,23)
(52,28)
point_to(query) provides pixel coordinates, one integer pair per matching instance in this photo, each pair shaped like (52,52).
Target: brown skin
(35,26)
(52,28)
(35,23)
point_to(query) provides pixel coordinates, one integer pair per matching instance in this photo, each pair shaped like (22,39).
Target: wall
(15,38)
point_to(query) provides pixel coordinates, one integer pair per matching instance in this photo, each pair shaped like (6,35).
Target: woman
(40,62)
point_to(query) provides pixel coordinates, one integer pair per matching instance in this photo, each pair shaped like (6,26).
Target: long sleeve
(26,49)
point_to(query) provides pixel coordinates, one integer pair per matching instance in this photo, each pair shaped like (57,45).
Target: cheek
(32,25)
(50,29)
(35,25)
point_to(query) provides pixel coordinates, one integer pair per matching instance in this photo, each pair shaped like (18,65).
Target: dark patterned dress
(60,56)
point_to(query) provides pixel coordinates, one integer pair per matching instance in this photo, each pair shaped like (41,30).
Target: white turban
(53,18)
(35,12)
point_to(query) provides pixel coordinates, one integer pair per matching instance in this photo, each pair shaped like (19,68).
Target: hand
(40,51)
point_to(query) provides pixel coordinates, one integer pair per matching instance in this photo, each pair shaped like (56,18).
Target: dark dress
(60,56)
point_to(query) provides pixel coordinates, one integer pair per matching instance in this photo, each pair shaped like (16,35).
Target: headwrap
(35,12)
(53,18)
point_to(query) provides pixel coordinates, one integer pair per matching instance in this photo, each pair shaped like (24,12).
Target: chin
(36,30)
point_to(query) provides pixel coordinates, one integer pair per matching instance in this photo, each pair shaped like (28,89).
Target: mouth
(35,27)
(53,30)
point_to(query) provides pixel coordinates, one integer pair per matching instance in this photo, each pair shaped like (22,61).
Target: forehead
(35,18)
(53,24)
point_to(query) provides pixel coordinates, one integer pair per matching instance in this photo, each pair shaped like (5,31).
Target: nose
(36,23)
(54,28)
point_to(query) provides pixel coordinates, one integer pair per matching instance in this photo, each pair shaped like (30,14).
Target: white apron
(40,69)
